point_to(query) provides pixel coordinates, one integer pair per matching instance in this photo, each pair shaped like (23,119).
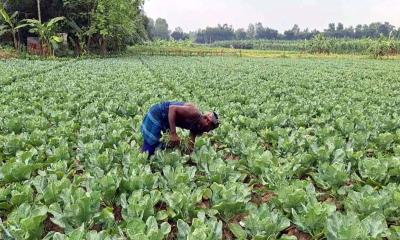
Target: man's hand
(174,140)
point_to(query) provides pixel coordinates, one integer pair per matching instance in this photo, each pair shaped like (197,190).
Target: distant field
(307,147)
(204,50)
(336,46)
(271,45)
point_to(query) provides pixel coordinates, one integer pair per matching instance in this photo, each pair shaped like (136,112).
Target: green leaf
(287,237)
(162,215)
(15,172)
(346,227)
(55,20)
(237,230)
(183,229)
(5,15)
(265,222)
(135,227)
(56,39)
(394,233)
(165,228)
(77,234)
(27,156)
(21,194)
(26,220)
(151,224)
(375,225)
(3,30)
(75,26)
(312,218)
(107,216)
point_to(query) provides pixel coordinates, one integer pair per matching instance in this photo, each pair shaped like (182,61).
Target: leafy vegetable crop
(306,148)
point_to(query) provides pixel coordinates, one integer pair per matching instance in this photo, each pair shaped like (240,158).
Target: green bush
(320,44)
(384,47)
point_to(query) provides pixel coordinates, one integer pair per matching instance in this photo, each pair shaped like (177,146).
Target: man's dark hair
(215,120)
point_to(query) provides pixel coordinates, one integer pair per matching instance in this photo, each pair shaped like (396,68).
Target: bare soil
(97,227)
(204,204)
(49,226)
(161,206)
(117,210)
(262,198)
(174,231)
(7,54)
(294,231)
(226,233)
(231,157)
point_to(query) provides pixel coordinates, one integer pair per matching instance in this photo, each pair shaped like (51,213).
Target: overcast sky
(278,14)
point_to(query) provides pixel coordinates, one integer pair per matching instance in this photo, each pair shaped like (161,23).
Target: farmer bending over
(169,115)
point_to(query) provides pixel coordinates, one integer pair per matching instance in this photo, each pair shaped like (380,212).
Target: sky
(191,15)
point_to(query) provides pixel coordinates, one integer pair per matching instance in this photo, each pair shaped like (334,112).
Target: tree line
(91,25)
(104,26)
(224,32)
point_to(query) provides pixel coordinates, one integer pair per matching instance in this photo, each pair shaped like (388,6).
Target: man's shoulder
(194,109)
(188,110)
(190,104)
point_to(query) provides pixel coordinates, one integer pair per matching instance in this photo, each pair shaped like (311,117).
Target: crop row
(305,147)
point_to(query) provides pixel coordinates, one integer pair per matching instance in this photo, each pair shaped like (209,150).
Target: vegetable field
(307,149)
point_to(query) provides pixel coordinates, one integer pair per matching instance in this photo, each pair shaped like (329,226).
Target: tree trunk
(103,45)
(39,12)
(78,48)
(88,43)
(15,41)
(43,48)
(19,41)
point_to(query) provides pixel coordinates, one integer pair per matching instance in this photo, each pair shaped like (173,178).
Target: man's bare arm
(186,111)
(172,119)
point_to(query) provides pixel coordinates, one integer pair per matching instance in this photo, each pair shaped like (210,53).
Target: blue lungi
(155,122)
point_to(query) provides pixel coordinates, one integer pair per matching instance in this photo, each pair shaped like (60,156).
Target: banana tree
(46,32)
(81,34)
(11,25)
